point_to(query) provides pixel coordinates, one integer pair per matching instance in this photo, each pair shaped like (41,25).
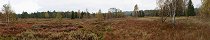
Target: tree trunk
(173,19)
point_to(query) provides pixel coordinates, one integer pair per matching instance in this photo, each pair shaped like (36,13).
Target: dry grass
(147,28)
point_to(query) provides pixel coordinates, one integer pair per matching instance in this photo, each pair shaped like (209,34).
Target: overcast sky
(92,5)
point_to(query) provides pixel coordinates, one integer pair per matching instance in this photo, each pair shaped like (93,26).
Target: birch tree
(171,8)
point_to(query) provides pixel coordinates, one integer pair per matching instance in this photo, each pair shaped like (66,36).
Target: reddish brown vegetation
(22,27)
(110,29)
(155,30)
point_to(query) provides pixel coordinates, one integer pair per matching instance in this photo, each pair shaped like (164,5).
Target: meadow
(129,28)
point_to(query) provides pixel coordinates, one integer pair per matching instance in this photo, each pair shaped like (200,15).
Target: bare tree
(79,14)
(171,8)
(135,11)
(86,15)
(9,15)
(164,9)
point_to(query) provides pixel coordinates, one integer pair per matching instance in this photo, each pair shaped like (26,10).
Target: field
(145,28)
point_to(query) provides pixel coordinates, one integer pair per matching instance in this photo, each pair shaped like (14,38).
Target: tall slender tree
(136,11)
(1,15)
(172,8)
(190,9)
(72,15)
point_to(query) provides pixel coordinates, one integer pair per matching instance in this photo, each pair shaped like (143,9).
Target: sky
(19,6)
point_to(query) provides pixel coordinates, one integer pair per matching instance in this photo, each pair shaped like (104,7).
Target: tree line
(167,8)
(53,14)
(187,10)
(70,14)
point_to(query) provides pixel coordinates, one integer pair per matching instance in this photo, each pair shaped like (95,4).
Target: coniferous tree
(68,14)
(1,15)
(82,15)
(76,15)
(25,15)
(33,15)
(39,14)
(42,14)
(142,14)
(72,15)
(190,10)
